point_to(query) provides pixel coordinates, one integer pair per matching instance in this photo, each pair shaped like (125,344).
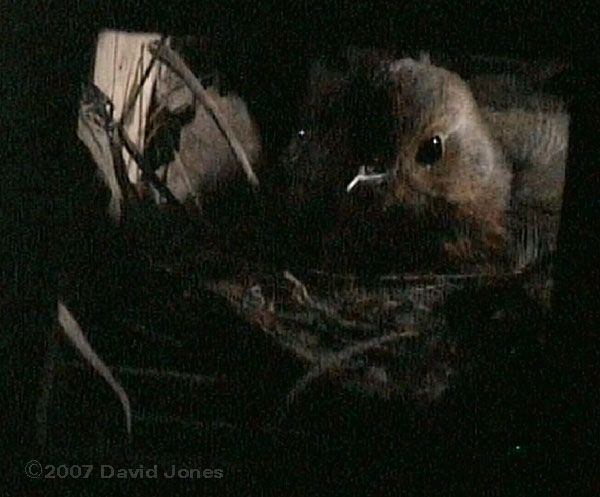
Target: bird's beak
(369,178)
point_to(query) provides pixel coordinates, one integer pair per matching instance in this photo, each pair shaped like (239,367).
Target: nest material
(390,340)
(392,337)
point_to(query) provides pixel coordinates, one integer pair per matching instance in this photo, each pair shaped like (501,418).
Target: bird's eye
(302,133)
(430,151)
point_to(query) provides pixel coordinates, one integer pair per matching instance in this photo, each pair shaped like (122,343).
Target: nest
(204,333)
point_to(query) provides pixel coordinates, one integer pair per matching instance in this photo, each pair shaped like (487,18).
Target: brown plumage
(448,163)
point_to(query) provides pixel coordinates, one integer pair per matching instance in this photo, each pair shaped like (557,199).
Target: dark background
(46,53)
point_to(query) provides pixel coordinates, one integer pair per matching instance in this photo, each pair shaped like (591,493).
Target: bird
(478,153)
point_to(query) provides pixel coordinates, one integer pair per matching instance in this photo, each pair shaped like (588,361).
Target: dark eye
(430,151)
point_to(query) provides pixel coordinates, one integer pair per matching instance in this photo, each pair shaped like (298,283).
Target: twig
(137,90)
(437,278)
(336,360)
(284,341)
(340,323)
(409,277)
(147,172)
(301,295)
(73,331)
(196,379)
(46,384)
(232,294)
(172,420)
(174,60)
